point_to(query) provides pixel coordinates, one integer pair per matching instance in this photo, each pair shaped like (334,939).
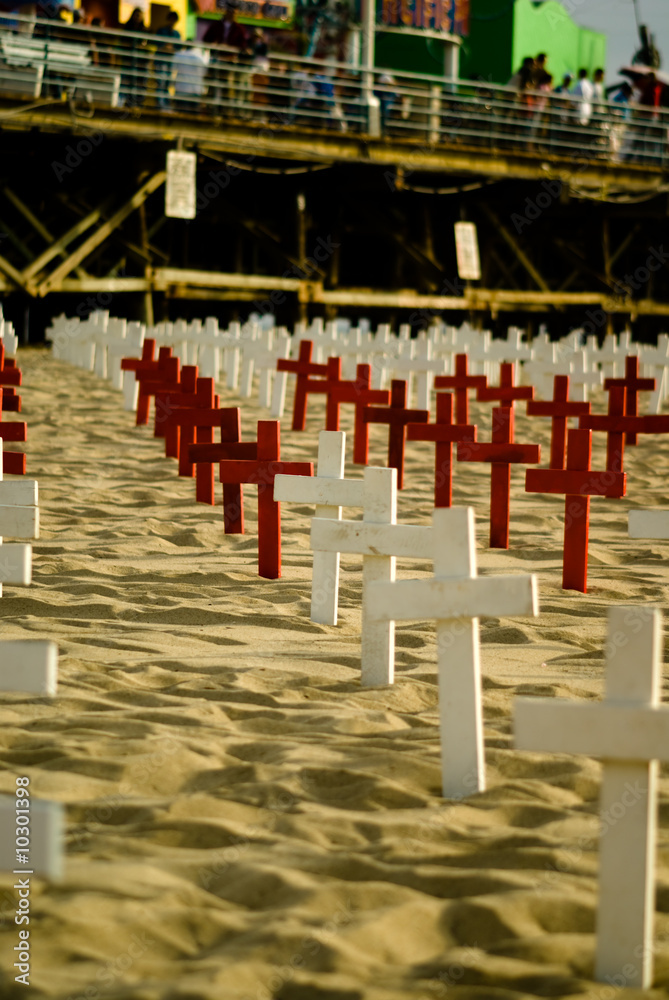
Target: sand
(244,821)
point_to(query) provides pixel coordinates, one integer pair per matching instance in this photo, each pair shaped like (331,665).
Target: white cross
(629,730)
(330,492)
(368,538)
(456,597)
(19,518)
(46,834)
(649,524)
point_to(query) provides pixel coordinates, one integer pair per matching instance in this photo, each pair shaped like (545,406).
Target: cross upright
(366,538)
(260,472)
(629,730)
(304,368)
(560,409)
(197,423)
(443,433)
(397,416)
(507,392)
(462,382)
(502,452)
(329,491)
(634,385)
(578,482)
(649,524)
(360,394)
(456,597)
(130,367)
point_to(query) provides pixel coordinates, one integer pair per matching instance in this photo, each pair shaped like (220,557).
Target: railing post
(435,114)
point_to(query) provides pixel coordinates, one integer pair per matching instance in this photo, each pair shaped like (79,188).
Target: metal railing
(46,61)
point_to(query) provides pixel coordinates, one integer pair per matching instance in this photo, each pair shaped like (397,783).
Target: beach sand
(244,821)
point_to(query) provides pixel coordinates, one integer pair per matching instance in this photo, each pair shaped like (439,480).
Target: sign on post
(180,185)
(467,251)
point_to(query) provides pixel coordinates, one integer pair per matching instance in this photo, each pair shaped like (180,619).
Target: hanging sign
(467,250)
(180,189)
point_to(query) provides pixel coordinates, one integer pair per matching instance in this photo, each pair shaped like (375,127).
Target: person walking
(164,58)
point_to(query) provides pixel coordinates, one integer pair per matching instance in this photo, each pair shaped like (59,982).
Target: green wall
(410,53)
(487,51)
(497,44)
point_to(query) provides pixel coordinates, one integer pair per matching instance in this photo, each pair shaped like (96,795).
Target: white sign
(180,186)
(467,250)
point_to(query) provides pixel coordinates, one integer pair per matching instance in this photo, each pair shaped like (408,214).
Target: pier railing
(45,62)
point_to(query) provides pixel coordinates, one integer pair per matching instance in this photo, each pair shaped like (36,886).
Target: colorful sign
(451,16)
(278,13)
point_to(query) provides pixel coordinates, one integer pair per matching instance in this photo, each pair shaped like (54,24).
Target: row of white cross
(29,667)
(243,351)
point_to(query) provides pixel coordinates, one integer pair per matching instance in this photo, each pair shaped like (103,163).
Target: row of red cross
(187,412)
(13,462)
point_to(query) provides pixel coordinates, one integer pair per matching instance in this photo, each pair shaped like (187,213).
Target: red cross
(303,367)
(198,422)
(502,453)
(201,397)
(397,416)
(11,402)
(444,432)
(142,363)
(162,378)
(634,386)
(183,393)
(507,391)
(321,386)
(260,472)
(229,447)
(9,373)
(618,426)
(13,462)
(560,409)
(462,382)
(578,482)
(360,393)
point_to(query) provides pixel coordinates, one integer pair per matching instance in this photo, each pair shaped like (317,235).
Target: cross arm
(19,494)
(19,522)
(504,453)
(220,452)
(261,473)
(368,539)
(14,430)
(16,564)
(643,523)
(319,490)
(474,597)
(11,376)
(613,732)
(576,483)
(441,432)
(556,408)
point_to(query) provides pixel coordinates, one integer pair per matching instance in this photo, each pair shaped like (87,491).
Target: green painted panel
(486,52)
(503,32)
(409,53)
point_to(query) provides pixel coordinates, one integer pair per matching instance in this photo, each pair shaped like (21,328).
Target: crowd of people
(234,74)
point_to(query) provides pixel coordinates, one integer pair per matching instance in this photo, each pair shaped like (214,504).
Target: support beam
(58,246)
(513,245)
(38,226)
(53,281)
